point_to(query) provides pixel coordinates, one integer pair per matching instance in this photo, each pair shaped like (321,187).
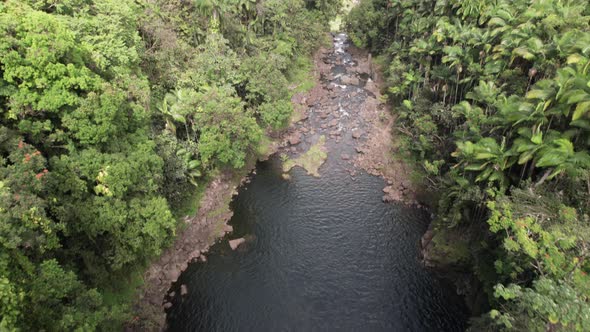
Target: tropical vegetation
(113,114)
(493,100)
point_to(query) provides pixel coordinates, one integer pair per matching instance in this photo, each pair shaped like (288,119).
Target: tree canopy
(112,114)
(493,99)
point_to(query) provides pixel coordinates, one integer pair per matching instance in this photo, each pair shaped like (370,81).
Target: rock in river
(234,244)
(295,139)
(350,80)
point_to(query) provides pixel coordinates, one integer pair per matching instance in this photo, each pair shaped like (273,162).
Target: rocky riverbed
(347,109)
(343,115)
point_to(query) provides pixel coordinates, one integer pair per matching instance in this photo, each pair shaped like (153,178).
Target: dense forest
(493,106)
(114,115)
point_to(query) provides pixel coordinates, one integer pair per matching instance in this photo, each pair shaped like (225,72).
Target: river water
(322,254)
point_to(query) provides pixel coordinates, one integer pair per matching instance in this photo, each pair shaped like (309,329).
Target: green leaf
(581,109)
(525,157)
(484,155)
(496,21)
(484,175)
(538,94)
(576,96)
(581,123)
(537,138)
(474,167)
(408,104)
(194,164)
(574,58)
(178,117)
(524,53)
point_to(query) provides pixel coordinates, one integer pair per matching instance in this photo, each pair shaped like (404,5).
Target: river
(322,253)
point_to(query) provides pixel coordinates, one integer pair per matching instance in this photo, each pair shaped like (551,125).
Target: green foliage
(276,115)
(62,302)
(112,115)
(494,98)
(227,132)
(10,305)
(549,304)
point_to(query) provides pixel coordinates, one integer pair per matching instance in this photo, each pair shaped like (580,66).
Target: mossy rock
(448,249)
(311,160)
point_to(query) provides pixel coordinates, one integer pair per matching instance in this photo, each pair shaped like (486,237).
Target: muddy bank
(378,155)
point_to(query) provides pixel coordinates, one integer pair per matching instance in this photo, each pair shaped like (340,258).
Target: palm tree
(216,10)
(560,157)
(486,94)
(486,157)
(170,114)
(192,164)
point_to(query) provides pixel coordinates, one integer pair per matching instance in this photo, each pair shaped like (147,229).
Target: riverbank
(340,108)
(314,233)
(348,104)
(200,232)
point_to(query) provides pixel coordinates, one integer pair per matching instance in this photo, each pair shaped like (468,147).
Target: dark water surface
(322,254)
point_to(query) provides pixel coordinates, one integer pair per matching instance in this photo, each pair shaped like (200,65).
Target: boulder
(295,139)
(345,156)
(183,290)
(426,238)
(172,274)
(195,254)
(228,228)
(356,134)
(349,80)
(234,244)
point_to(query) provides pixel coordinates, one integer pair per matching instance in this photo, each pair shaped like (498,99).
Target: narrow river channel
(322,253)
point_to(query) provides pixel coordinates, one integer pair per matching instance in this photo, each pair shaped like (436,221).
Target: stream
(321,253)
